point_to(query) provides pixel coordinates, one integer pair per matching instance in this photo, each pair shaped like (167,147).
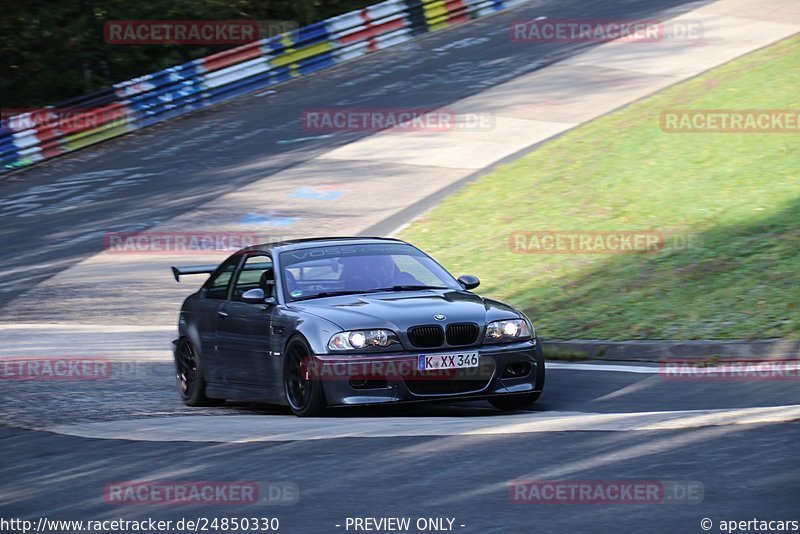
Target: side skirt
(245,393)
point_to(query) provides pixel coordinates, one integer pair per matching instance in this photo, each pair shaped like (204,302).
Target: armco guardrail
(134,104)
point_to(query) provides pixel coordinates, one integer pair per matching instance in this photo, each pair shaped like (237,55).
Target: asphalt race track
(136,182)
(627,422)
(64,443)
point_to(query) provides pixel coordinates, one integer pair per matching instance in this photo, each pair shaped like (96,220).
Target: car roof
(311,242)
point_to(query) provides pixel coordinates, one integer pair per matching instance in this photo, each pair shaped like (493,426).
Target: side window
(250,276)
(217,285)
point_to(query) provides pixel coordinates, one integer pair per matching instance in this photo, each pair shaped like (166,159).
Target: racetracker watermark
(182,32)
(543,30)
(177,242)
(399,120)
(273,28)
(599,242)
(66,120)
(718,369)
(730,121)
(70,369)
(415,368)
(606,492)
(201,493)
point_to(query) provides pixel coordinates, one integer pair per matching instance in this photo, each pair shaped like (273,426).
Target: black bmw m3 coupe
(349,321)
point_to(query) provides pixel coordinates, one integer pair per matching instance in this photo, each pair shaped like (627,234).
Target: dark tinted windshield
(340,270)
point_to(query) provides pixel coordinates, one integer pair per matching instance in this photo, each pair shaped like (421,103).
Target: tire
(514,402)
(526,400)
(189,376)
(304,395)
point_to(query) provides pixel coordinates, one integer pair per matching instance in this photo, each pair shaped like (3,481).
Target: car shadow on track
(460,409)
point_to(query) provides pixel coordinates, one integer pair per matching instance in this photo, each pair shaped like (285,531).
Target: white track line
(602,367)
(681,367)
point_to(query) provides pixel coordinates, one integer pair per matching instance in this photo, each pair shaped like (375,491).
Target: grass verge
(737,195)
(553,353)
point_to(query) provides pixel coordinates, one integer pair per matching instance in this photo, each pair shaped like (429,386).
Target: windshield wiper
(410,288)
(335,294)
(362,291)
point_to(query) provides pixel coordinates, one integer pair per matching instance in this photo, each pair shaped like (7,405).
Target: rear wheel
(189,376)
(303,394)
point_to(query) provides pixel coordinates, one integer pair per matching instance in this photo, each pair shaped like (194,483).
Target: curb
(658,350)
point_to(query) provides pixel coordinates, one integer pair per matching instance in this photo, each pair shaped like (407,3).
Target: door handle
(221,314)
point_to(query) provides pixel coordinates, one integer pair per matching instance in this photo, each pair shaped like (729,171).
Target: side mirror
(257,296)
(468,281)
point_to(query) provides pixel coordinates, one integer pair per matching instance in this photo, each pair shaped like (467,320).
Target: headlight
(362,339)
(511,330)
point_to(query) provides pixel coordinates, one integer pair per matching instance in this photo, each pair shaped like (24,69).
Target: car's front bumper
(502,371)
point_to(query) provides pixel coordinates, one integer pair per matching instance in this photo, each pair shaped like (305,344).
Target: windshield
(352,269)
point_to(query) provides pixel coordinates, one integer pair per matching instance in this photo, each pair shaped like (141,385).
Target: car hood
(399,311)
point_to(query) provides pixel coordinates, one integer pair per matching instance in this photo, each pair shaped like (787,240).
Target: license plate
(428,362)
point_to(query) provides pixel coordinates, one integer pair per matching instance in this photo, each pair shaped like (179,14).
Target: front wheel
(304,395)
(515,402)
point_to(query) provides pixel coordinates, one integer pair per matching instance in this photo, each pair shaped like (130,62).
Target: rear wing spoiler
(192,269)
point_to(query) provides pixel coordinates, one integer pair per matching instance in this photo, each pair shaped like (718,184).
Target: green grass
(738,194)
(553,352)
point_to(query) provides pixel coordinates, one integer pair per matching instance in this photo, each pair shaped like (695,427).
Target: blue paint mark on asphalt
(266,220)
(316,193)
